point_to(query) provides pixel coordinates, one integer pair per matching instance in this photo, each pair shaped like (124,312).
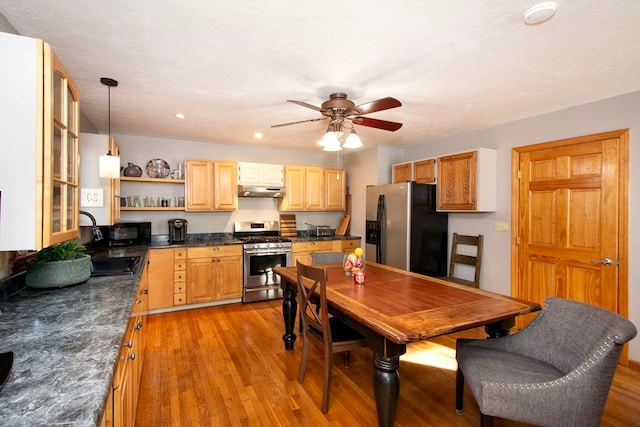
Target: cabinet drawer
(180,253)
(350,244)
(180,264)
(214,251)
(180,299)
(325,245)
(179,276)
(180,288)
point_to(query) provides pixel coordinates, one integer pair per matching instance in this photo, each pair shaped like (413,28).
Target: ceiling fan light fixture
(331,142)
(353,140)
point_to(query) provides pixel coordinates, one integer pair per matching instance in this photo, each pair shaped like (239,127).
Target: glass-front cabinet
(61,160)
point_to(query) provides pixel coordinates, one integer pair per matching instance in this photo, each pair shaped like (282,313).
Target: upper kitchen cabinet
(260,174)
(420,171)
(307,189)
(335,196)
(402,172)
(211,185)
(39,128)
(467,181)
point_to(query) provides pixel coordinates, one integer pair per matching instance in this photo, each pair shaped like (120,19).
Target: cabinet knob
(139,326)
(132,356)
(129,344)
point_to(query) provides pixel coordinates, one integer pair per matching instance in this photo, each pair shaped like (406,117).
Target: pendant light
(109,164)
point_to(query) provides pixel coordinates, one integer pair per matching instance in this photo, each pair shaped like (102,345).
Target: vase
(58,274)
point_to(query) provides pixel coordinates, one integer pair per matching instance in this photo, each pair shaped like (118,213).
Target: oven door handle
(263,252)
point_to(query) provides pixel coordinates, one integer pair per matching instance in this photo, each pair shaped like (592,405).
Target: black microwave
(127,234)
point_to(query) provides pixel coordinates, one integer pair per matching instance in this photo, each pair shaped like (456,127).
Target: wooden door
(199,185)
(229,277)
(226,186)
(314,195)
(570,215)
(457,181)
(160,278)
(200,279)
(336,189)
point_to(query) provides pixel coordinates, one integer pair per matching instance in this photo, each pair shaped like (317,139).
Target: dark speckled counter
(66,343)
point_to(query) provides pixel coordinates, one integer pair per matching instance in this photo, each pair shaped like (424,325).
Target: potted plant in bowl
(58,266)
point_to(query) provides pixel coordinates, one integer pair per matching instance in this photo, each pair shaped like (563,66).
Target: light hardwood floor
(226,366)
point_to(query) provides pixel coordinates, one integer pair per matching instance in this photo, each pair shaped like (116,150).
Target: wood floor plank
(226,366)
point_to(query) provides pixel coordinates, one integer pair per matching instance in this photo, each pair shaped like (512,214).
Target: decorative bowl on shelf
(158,168)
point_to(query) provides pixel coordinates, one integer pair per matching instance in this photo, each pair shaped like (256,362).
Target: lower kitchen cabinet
(346,246)
(301,251)
(167,277)
(120,408)
(214,273)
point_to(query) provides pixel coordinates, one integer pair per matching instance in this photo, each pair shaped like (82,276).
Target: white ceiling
(230,66)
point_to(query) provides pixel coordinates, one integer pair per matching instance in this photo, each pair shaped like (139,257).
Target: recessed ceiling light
(180,116)
(258,135)
(539,13)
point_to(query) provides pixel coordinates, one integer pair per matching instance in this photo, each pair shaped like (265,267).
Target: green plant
(60,252)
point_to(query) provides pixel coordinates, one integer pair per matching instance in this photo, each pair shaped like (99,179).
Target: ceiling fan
(343,114)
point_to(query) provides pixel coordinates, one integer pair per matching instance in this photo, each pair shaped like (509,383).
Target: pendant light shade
(353,140)
(109,165)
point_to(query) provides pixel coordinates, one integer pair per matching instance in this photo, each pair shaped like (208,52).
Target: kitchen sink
(114,266)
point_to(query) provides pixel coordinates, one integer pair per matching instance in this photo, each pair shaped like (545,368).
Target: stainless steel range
(264,249)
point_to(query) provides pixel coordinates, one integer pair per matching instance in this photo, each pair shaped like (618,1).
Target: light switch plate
(501,226)
(91,197)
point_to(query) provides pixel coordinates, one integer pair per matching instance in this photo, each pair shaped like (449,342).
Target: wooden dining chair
(457,257)
(328,332)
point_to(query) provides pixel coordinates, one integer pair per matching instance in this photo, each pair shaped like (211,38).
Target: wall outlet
(207,225)
(305,222)
(501,226)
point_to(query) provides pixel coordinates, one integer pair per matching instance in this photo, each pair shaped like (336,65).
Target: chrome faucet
(97,234)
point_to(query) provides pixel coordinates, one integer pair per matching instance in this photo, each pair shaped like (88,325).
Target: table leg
(499,329)
(386,387)
(289,309)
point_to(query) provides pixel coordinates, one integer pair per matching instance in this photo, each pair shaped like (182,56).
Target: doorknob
(605,261)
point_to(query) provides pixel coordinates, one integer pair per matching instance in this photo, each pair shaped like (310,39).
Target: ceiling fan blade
(379,105)
(375,123)
(304,104)
(301,121)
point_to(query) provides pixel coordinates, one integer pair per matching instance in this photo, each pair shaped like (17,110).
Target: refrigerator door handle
(381,245)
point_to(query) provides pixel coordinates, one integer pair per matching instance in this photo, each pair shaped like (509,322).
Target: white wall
(139,150)
(615,113)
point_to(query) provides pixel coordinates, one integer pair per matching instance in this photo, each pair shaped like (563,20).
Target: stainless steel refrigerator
(404,230)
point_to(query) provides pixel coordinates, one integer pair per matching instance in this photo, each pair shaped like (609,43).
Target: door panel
(569,214)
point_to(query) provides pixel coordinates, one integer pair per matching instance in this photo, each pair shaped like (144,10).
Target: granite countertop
(66,343)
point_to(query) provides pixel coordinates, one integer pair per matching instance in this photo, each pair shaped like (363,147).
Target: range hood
(260,191)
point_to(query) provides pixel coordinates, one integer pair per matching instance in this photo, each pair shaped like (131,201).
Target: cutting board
(288,226)
(343,225)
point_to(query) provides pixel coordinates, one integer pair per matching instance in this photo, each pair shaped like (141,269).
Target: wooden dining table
(394,308)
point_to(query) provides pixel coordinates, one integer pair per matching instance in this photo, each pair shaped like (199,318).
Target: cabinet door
(335,199)
(314,194)
(303,257)
(457,181)
(226,186)
(402,173)
(200,280)
(294,177)
(61,161)
(229,277)
(160,278)
(199,185)
(424,171)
